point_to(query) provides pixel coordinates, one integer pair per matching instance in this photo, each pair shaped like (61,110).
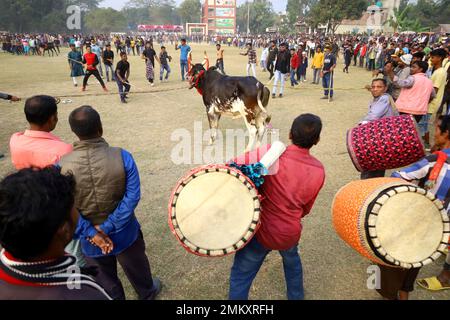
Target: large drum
(385,144)
(214,211)
(391,222)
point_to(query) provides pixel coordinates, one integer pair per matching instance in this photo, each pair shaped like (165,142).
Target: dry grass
(144,126)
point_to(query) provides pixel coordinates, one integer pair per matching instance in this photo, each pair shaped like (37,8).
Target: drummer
(380,107)
(421,171)
(288,196)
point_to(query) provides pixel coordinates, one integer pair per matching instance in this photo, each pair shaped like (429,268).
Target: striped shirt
(251,53)
(420,171)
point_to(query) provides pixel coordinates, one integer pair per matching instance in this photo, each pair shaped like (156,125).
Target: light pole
(248,17)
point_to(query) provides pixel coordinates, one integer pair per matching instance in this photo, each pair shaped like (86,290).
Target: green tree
(190,11)
(105,20)
(262,16)
(332,12)
(296,9)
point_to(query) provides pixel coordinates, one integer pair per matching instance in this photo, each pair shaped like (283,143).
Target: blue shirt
(96,49)
(421,169)
(185,49)
(121,226)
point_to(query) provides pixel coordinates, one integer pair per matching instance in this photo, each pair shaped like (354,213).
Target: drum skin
(353,208)
(385,144)
(247,233)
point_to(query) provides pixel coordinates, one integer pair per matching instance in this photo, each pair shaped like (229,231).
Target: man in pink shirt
(37,147)
(288,196)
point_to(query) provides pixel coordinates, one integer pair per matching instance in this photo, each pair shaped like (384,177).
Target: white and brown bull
(236,96)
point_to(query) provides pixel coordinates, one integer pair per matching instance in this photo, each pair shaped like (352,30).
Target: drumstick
(272,156)
(75,61)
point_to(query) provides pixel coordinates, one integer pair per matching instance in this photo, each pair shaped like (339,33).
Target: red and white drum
(214,211)
(388,143)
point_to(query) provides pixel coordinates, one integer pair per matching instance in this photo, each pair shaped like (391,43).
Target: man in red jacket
(295,63)
(91,61)
(288,196)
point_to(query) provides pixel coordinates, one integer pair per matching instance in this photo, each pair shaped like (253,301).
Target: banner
(225,23)
(227,3)
(225,12)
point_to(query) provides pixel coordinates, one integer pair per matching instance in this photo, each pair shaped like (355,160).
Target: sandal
(432,284)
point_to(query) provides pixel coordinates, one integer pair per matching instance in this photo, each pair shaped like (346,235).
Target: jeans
(279,77)
(293,81)
(121,86)
(327,83)
(165,67)
(107,68)
(317,75)
(251,66)
(371,64)
(247,263)
(423,124)
(184,69)
(220,66)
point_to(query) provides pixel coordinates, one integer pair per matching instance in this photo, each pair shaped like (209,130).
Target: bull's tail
(263,97)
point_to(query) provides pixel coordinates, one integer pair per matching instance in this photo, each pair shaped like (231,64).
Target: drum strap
(393,105)
(434,175)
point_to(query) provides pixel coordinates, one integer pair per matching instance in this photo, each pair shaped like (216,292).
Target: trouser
(372,174)
(88,74)
(355,59)
(394,280)
(107,69)
(317,75)
(184,69)
(165,67)
(136,266)
(293,81)
(100,68)
(371,65)
(247,263)
(251,66)
(122,86)
(417,117)
(220,65)
(327,83)
(263,65)
(347,64)
(312,52)
(447,260)
(361,62)
(270,68)
(279,77)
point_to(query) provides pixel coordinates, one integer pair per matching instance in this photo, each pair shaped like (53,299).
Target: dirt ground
(144,126)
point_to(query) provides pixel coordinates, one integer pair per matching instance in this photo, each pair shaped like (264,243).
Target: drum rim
(371,241)
(247,236)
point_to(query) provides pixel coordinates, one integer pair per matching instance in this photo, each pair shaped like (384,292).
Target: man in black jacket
(282,68)
(273,52)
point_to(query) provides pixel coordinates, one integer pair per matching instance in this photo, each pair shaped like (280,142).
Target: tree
(105,20)
(332,12)
(190,11)
(262,16)
(296,9)
(402,20)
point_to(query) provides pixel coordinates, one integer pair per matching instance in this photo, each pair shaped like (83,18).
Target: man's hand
(15,99)
(102,241)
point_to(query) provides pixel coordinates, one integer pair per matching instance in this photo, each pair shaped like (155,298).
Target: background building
(373,20)
(220,16)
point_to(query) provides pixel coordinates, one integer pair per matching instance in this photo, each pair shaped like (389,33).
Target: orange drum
(391,222)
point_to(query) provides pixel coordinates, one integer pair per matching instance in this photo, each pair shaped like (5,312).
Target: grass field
(144,126)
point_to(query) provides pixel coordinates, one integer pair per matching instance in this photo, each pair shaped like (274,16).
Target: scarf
(60,272)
